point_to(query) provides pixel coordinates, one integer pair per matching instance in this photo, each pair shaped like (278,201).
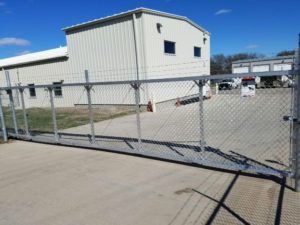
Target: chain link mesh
(179,120)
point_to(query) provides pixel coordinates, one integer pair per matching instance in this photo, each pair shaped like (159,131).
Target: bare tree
(286,53)
(221,64)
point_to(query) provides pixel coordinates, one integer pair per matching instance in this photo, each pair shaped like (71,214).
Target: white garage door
(261,68)
(282,66)
(244,69)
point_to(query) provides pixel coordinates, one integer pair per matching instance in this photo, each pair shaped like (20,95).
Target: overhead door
(244,69)
(282,67)
(261,68)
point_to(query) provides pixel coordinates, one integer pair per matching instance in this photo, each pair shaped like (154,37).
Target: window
(32,92)
(169,47)
(57,90)
(197,52)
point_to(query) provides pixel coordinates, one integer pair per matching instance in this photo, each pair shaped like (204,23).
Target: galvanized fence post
(297,155)
(88,88)
(12,103)
(2,120)
(201,115)
(21,90)
(136,87)
(55,130)
(13,111)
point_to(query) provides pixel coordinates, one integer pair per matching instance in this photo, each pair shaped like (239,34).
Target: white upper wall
(186,37)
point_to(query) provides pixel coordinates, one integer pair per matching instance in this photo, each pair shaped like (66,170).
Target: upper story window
(57,90)
(197,51)
(32,92)
(169,47)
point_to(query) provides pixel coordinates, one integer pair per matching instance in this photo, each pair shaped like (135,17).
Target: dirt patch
(9,141)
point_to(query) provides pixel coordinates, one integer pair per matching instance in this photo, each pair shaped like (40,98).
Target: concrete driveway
(52,185)
(235,130)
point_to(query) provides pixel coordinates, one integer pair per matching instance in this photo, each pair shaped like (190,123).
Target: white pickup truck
(227,84)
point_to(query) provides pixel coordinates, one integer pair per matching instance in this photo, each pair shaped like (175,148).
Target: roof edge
(40,56)
(263,59)
(124,14)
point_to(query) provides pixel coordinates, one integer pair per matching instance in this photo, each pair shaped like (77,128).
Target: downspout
(135,37)
(143,40)
(144,64)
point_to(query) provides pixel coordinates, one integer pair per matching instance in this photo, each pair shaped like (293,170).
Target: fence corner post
(2,120)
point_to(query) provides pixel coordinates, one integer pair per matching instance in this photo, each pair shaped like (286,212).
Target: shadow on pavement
(234,157)
(221,203)
(210,156)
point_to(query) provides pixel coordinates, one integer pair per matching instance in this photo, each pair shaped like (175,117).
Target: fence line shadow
(234,157)
(241,162)
(221,203)
(280,201)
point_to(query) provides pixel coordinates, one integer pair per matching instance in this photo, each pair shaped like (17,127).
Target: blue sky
(263,26)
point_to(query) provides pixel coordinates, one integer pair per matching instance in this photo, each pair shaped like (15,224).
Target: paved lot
(252,128)
(43,184)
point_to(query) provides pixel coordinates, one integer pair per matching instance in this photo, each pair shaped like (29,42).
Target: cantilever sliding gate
(168,119)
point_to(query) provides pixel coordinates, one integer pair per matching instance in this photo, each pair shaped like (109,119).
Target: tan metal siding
(106,50)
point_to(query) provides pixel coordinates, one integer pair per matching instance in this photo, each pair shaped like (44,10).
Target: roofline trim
(32,62)
(263,59)
(128,13)
(34,57)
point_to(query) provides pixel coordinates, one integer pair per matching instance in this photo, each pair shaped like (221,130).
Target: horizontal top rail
(163,80)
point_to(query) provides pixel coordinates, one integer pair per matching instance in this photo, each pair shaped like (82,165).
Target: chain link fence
(177,119)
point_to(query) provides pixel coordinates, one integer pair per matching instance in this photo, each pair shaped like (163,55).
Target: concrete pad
(44,184)
(250,129)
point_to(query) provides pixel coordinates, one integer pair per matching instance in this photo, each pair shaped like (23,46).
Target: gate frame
(297,130)
(198,79)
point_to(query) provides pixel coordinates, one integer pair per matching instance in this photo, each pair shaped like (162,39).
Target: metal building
(279,63)
(135,45)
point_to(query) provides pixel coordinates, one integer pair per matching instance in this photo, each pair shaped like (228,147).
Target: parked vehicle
(227,84)
(270,82)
